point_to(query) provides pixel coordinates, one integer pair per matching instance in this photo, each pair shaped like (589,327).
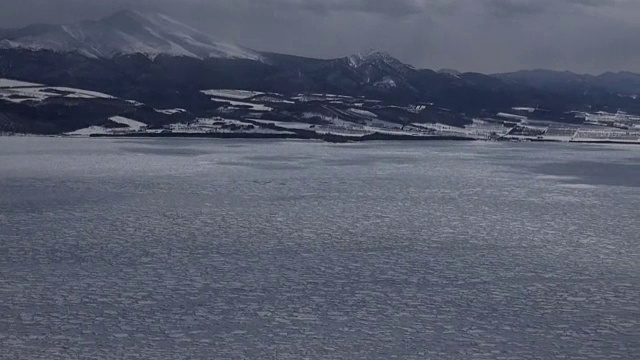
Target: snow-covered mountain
(381,70)
(378,59)
(126,32)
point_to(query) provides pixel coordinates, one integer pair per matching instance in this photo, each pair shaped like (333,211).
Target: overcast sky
(470,35)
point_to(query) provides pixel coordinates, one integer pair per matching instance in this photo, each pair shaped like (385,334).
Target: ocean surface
(226,249)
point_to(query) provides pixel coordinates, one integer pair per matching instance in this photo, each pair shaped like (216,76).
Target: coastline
(334,138)
(330,138)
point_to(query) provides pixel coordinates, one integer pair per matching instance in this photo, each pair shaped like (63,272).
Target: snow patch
(170,111)
(22,93)
(387,82)
(91,130)
(8,83)
(363,113)
(136,103)
(272,99)
(527,109)
(232,94)
(133,124)
(85,94)
(19,95)
(511,116)
(285,125)
(251,106)
(221,125)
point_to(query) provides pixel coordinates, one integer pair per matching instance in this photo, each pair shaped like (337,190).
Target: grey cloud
(412,7)
(391,8)
(598,3)
(531,7)
(384,7)
(514,7)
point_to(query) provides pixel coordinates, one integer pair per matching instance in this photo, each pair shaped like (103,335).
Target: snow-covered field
(522,108)
(129,125)
(221,125)
(85,94)
(170,111)
(341,129)
(338,99)
(251,106)
(342,132)
(377,123)
(285,125)
(607,134)
(333,96)
(239,104)
(18,91)
(364,113)
(22,94)
(91,130)
(136,103)
(272,99)
(232,94)
(338,127)
(133,124)
(483,129)
(8,83)
(511,116)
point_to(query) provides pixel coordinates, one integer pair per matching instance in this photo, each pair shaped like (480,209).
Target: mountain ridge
(27,36)
(125,32)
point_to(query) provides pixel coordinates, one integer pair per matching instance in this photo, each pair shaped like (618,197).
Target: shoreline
(329,138)
(333,138)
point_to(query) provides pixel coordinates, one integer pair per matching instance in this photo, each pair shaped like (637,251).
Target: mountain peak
(371,56)
(452,72)
(129,32)
(380,60)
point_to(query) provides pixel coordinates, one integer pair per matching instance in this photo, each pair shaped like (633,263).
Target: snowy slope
(232,94)
(381,70)
(19,91)
(126,32)
(376,58)
(8,83)
(133,124)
